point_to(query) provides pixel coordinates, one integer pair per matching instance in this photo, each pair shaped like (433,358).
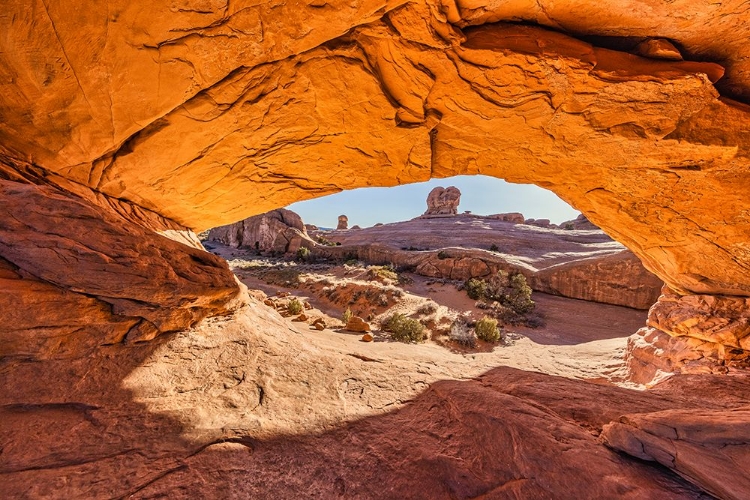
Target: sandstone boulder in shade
(443,201)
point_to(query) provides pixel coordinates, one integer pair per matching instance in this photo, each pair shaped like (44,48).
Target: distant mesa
(343,222)
(356,227)
(443,201)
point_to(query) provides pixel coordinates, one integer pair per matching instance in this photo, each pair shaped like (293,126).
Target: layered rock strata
(75,276)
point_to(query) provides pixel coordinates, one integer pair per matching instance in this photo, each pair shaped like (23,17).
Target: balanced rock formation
(443,201)
(279,230)
(343,222)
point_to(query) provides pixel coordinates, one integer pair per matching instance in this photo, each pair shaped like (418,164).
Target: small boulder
(307,305)
(269,303)
(357,324)
(319,324)
(367,337)
(301,317)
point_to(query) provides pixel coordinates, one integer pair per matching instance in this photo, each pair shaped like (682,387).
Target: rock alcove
(124,128)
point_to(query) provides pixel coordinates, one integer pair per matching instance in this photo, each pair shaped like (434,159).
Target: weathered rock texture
(691,334)
(208,112)
(76,276)
(279,230)
(585,265)
(443,201)
(228,411)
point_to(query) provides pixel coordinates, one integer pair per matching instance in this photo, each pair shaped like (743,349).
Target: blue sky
(481,194)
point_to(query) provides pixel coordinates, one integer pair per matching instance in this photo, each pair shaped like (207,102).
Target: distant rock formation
(512,217)
(279,230)
(343,222)
(443,201)
(580,222)
(311,227)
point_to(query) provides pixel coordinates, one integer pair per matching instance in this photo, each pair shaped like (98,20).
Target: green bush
(518,296)
(346,316)
(476,288)
(383,272)
(442,254)
(294,306)
(494,248)
(404,329)
(509,290)
(486,329)
(303,254)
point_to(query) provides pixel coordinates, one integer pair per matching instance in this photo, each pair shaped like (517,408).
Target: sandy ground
(580,339)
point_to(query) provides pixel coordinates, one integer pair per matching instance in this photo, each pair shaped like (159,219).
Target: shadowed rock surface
(228,411)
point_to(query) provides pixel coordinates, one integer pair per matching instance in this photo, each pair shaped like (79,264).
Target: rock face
(343,222)
(691,334)
(443,201)
(697,445)
(75,276)
(277,231)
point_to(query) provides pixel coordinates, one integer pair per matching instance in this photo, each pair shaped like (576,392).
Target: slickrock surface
(582,264)
(278,230)
(229,411)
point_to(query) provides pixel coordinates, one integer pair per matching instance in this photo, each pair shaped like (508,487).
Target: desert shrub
(476,288)
(486,329)
(346,316)
(442,254)
(518,297)
(427,308)
(325,241)
(303,254)
(508,290)
(404,329)
(494,248)
(461,333)
(294,306)
(383,272)
(569,226)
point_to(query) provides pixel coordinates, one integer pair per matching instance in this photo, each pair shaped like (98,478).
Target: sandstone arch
(197,113)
